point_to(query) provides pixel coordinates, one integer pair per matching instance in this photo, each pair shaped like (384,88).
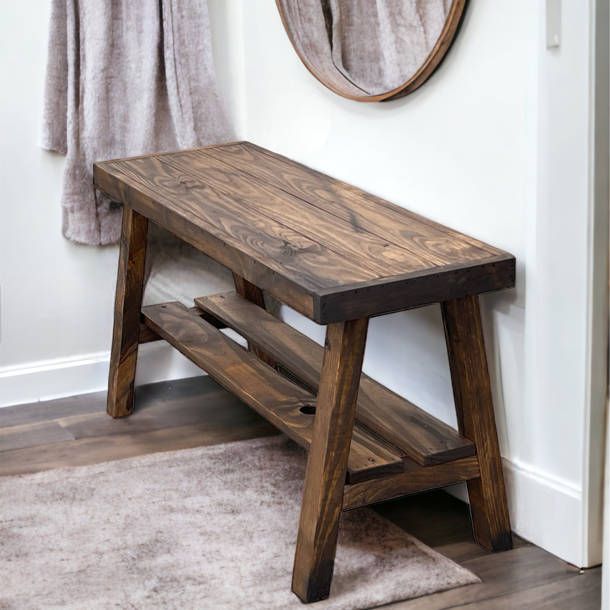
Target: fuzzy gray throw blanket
(125,78)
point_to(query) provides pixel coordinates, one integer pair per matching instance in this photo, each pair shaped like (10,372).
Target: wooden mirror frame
(432,62)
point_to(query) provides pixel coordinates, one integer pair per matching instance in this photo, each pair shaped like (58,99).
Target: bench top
(322,246)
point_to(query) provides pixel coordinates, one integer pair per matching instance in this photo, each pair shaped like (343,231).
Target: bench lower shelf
(377,469)
(418,435)
(286,405)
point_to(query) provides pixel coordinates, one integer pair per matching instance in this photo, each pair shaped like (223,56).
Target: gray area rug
(212,527)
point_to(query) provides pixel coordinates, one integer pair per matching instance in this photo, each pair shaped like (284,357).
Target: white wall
(56,298)
(496,144)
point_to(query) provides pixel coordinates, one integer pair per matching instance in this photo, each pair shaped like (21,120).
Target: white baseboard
(61,377)
(544,510)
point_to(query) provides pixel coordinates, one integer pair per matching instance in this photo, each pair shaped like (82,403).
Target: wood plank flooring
(195,412)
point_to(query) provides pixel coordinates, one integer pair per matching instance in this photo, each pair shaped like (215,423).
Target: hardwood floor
(194,412)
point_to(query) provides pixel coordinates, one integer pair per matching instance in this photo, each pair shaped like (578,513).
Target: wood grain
(253,294)
(327,461)
(333,232)
(414,479)
(339,256)
(147,335)
(427,242)
(476,420)
(420,436)
(128,301)
(326,248)
(267,254)
(258,385)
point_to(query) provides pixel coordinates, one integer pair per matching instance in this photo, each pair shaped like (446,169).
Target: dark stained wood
(327,249)
(128,301)
(373,252)
(339,256)
(268,255)
(413,290)
(426,241)
(327,461)
(420,436)
(249,291)
(414,479)
(258,385)
(474,406)
(254,295)
(147,335)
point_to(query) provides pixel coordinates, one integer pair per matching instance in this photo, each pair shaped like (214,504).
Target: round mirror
(371,50)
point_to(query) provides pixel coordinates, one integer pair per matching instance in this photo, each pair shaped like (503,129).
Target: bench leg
(254,294)
(127,306)
(474,405)
(327,461)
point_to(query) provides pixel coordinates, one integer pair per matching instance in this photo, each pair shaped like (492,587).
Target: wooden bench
(339,256)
